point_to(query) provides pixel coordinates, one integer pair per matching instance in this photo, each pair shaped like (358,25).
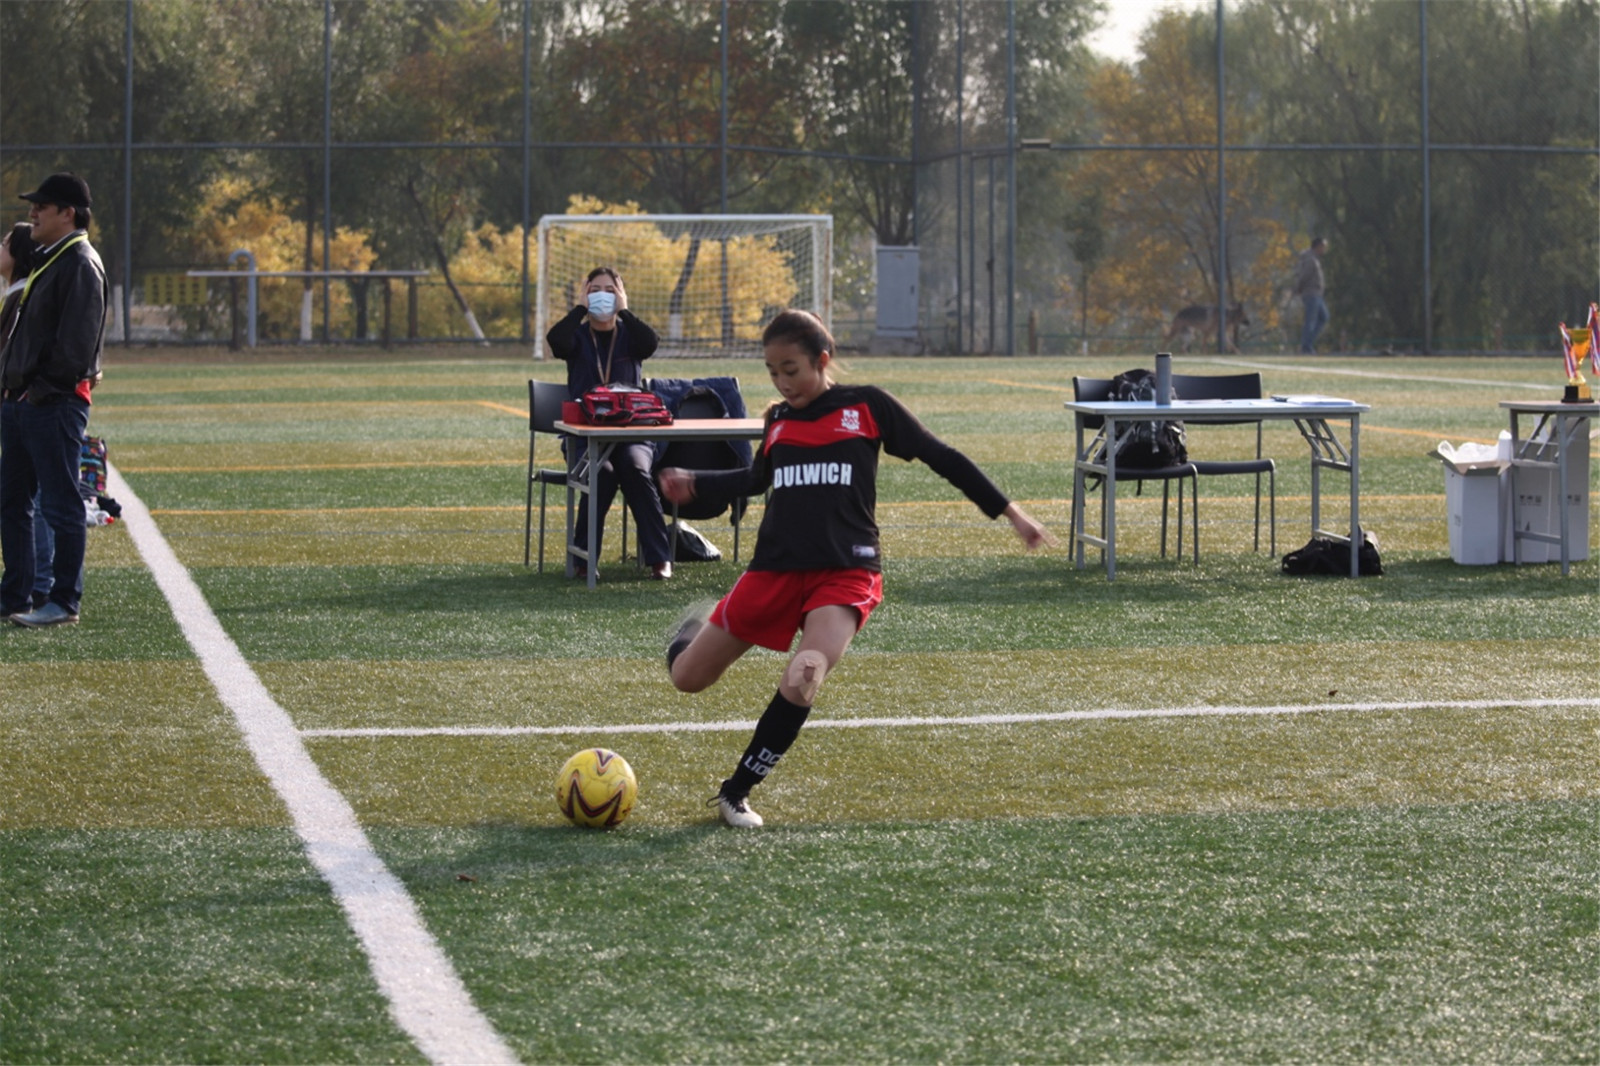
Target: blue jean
(40,449)
(1316,318)
(44,554)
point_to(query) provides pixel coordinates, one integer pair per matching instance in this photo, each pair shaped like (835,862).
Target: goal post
(707,284)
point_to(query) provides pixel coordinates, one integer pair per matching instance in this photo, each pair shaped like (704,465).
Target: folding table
(1310,413)
(602,440)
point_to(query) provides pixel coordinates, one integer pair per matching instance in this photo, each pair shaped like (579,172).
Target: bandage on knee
(805,674)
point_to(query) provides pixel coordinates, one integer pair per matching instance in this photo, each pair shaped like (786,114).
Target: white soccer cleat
(737,812)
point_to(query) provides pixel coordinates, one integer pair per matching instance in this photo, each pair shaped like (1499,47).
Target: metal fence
(994,176)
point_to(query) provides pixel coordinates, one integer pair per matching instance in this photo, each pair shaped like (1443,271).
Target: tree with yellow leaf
(235,215)
(488,265)
(1159,214)
(688,287)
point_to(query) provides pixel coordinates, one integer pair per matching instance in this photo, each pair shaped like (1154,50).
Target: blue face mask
(602,304)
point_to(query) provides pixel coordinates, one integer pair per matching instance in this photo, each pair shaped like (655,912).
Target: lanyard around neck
(76,238)
(604,371)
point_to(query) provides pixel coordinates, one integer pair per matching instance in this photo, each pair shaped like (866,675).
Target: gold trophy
(1575,344)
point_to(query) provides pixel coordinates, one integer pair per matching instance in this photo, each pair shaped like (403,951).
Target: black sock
(779,724)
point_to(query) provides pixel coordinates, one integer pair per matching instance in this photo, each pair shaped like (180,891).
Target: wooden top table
(602,440)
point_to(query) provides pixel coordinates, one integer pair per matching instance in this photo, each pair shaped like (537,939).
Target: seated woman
(603,343)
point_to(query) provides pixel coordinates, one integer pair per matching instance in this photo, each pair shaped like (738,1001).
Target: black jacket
(821,464)
(58,338)
(572,342)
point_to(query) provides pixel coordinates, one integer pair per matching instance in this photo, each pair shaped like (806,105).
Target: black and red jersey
(821,463)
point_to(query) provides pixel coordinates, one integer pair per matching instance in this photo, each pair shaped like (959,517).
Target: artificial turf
(1394,861)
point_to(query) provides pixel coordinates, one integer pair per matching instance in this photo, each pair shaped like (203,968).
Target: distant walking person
(47,368)
(1308,286)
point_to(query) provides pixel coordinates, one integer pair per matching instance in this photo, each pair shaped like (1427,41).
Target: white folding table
(1311,414)
(1571,423)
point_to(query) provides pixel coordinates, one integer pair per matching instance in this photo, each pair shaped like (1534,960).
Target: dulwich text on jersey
(795,474)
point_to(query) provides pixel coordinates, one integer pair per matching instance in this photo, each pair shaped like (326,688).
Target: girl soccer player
(817,568)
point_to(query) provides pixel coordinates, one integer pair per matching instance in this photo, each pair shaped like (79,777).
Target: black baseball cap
(63,190)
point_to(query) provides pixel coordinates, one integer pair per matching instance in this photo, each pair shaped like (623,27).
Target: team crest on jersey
(853,421)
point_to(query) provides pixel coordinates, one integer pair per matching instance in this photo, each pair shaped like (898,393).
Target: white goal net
(707,284)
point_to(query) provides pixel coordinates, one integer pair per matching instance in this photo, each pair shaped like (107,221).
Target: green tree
(857,101)
(1160,214)
(1500,72)
(459,83)
(272,56)
(1498,214)
(1087,241)
(650,75)
(62,73)
(964,62)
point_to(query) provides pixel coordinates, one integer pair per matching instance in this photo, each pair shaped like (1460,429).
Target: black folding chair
(1096,390)
(544,411)
(1234,387)
(700,401)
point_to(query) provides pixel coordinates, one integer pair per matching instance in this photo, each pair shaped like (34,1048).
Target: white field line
(426,997)
(1312,368)
(956,720)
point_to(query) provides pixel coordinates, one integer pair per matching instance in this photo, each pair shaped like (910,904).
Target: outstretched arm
(677,484)
(680,486)
(1029,530)
(908,438)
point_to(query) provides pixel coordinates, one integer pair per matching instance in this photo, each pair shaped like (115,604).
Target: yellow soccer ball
(596,788)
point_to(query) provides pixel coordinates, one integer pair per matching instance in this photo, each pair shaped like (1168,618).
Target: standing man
(1308,286)
(46,371)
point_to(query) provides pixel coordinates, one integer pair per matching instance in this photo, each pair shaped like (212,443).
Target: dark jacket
(573,343)
(58,337)
(8,315)
(673,391)
(820,463)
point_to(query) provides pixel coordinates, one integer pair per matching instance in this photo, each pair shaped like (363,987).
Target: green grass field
(1201,813)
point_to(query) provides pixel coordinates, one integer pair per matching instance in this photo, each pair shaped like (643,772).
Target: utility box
(898,268)
(1473,501)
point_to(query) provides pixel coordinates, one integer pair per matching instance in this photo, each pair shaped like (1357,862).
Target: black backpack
(1149,444)
(1324,556)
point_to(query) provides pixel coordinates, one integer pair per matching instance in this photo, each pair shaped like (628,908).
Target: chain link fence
(1055,204)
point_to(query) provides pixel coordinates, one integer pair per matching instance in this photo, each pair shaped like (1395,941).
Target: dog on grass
(1201,320)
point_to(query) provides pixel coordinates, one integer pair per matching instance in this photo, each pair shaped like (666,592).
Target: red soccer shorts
(768,607)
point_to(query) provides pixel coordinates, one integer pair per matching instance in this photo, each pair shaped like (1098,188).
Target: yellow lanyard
(605,371)
(77,238)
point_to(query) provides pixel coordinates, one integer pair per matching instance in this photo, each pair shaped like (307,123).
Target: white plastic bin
(1578,497)
(1472,498)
